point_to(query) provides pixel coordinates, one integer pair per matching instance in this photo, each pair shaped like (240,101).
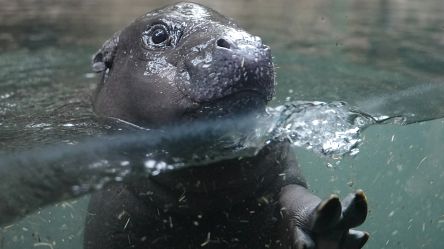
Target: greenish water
(384,57)
(401,170)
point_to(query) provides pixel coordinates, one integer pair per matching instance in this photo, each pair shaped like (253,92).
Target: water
(68,170)
(381,57)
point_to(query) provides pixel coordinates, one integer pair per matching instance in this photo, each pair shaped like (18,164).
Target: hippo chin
(186,62)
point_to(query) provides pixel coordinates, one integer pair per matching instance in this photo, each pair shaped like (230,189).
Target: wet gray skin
(179,62)
(186,62)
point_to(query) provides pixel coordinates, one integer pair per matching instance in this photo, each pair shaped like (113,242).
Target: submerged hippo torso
(184,63)
(231,201)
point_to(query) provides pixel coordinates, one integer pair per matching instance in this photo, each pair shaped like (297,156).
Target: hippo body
(186,62)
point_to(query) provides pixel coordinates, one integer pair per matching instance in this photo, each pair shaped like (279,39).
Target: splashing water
(70,170)
(330,129)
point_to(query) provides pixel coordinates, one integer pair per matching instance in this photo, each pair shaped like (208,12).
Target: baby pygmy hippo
(187,62)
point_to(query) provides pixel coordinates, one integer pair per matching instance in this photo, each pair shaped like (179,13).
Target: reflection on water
(385,57)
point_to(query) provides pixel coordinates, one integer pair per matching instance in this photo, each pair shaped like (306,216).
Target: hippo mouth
(209,85)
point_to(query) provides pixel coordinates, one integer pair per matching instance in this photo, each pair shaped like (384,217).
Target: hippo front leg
(322,224)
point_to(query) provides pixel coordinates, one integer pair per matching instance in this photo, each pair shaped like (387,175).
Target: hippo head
(182,62)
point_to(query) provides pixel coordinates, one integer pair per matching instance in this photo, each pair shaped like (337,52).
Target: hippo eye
(157,36)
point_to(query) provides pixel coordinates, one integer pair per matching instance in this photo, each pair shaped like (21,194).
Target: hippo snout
(229,67)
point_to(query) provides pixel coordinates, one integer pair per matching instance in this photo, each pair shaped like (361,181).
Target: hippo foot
(315,224)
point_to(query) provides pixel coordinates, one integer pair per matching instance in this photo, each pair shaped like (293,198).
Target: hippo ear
(103,59)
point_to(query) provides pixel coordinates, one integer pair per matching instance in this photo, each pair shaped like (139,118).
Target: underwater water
(382,57)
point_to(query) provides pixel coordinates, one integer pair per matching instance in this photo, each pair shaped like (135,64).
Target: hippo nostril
(223,43)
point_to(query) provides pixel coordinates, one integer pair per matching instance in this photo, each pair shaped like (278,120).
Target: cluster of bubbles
(330,129)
